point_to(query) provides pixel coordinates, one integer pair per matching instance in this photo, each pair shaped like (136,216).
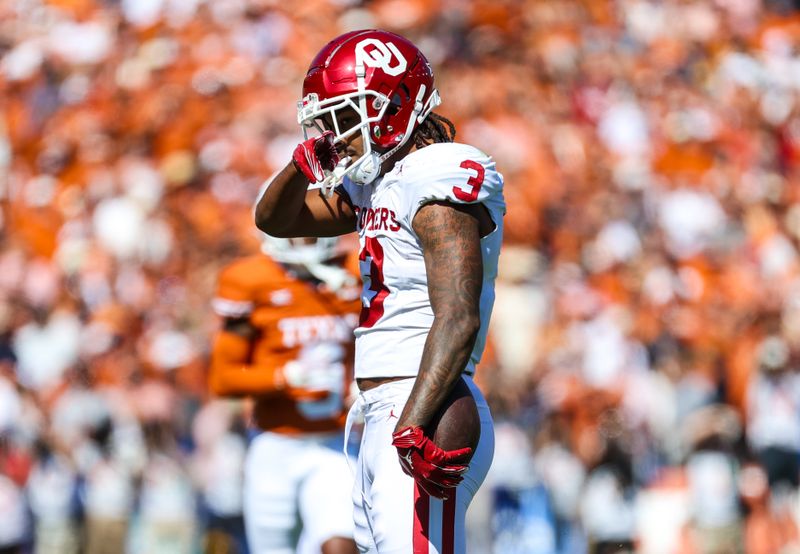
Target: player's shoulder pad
(452,172)
(239,284)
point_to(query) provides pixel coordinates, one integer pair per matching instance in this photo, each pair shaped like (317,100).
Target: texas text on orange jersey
(300,328)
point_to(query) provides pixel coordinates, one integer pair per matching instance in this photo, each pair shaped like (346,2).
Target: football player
(429,214)
(286,339)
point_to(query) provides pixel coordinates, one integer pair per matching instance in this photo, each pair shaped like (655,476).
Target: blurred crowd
(645,346)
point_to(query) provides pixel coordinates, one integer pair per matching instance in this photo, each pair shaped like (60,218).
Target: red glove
(434,469)
(316,155)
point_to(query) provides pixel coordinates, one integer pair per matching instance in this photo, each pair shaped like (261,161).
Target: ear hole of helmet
(394,106)
(405,91)
(400,97)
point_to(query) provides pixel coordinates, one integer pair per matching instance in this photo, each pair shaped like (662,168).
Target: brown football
(457,423)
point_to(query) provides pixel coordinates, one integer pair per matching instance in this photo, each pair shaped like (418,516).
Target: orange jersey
(300,329)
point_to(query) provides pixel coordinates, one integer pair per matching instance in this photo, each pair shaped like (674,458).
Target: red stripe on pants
(449,524)
(421,520)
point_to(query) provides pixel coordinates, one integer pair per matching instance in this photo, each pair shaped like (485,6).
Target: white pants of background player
(392,514)
(296,493)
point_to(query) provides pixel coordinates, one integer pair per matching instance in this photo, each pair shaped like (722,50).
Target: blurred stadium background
(645,345)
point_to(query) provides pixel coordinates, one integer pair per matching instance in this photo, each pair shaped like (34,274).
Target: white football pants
(392,514)
(296,493)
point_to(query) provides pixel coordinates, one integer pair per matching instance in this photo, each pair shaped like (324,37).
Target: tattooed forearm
(450,239)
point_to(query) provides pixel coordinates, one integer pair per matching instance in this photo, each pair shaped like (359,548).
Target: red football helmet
(385,79)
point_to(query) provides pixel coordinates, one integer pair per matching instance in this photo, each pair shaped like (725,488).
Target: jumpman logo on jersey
(391,414)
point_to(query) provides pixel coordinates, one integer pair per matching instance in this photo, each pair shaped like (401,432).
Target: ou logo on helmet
(384,55)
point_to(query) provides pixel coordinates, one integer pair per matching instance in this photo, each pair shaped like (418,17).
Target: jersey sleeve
(234,298)
(454,173)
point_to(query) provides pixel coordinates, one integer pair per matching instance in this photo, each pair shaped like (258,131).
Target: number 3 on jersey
(474,182)
(375,291)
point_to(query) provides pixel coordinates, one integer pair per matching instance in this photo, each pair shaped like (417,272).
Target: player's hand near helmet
(316,155)
(434,469)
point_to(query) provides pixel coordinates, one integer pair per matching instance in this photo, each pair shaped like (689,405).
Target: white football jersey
(396,311)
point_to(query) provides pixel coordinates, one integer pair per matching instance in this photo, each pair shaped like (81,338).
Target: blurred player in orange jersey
(286,340)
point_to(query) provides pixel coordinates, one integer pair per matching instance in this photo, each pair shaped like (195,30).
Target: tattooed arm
(450,237)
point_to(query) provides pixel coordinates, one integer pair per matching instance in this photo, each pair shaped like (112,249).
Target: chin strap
(333,178)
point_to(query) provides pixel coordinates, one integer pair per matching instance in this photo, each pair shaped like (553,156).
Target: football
(457,423)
